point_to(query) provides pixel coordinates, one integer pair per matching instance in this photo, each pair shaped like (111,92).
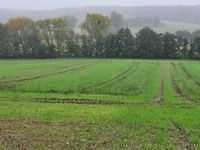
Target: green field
(99,104)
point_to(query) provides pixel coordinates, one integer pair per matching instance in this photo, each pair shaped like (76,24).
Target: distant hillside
(170,26)
(5,14)
(189,14)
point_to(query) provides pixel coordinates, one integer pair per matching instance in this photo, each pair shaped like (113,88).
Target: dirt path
(159,98)
(180,138)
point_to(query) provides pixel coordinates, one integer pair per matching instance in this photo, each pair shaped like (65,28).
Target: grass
(159,109)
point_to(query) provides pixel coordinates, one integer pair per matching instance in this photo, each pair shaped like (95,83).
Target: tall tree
(118,21)
(184,34)
(20,28)
(195,48)
(56,32)
(96,26)
(87,46)
(3,41)
(182,47)
(148,43)
(121,44)
(170,45)
(196,34)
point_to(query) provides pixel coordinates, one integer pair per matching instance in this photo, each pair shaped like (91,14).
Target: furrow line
(177,89)
(189,76)
(180,138)
(119,77)
(45,75)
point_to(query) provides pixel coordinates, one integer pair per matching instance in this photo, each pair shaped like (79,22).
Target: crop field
(97,104)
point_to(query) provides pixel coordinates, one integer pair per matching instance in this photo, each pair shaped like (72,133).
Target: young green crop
(99,104)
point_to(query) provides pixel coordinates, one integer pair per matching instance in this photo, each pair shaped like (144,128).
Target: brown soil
(73,135)
(180,137)
(160,96)
(30,135)
(78,101)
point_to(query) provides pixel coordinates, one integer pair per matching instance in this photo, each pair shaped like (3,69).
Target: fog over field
(51,4)
(171,10)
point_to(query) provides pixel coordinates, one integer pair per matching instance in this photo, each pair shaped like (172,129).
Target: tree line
(100,37)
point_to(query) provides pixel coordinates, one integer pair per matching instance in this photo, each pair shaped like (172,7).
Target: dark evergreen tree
(148,42)
(170,45)
(121,44)
(195,48)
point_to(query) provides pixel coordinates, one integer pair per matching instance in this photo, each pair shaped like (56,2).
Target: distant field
(99,104)
(172,27)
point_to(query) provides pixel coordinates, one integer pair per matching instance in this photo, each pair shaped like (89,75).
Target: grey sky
(51,4)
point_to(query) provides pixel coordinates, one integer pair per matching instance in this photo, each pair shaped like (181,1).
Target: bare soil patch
(78,101)
(30,135)
(159,98)
(180,137)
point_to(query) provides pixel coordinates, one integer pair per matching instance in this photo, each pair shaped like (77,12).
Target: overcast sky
(51,4)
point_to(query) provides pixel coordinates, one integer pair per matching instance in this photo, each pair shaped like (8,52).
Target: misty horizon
(49,4)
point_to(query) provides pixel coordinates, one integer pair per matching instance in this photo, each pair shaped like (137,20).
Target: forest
(97,36)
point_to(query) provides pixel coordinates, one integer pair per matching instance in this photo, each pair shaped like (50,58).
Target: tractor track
(119,77)
(159,98)
(188,75)
(177,89)
(19,77)
(44,75)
